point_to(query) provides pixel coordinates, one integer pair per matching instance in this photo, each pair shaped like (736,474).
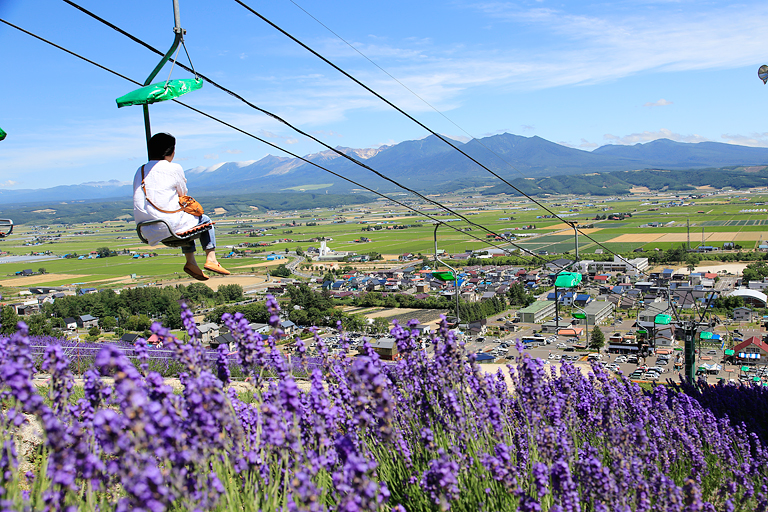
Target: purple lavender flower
(440,481)
(222,365)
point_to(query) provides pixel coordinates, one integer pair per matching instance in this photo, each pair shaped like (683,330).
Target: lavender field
(358,434)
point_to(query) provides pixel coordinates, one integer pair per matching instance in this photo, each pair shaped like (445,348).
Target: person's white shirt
(165,182)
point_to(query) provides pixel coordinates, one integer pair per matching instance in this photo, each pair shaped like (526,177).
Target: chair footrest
(197,229)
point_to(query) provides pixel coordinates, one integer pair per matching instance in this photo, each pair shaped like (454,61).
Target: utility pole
(688,227)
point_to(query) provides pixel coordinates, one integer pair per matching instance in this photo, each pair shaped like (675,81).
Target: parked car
(563,345)
(712,352)
(651,376)
(621,359)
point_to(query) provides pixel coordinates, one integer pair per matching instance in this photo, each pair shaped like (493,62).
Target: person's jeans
(207,239)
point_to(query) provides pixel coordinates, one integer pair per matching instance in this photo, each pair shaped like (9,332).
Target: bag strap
(147,197)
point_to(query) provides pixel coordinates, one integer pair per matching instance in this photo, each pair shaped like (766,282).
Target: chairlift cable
(479,141)
(298,130)
(447,141)
(415,210)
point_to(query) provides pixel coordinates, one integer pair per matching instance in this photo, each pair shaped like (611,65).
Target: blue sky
(583,74)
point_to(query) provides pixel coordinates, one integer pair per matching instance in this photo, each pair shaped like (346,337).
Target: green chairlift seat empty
(568,280)
(161,91)
(443,275)
(2,134)
(662,319)
(729,352)
(705,335)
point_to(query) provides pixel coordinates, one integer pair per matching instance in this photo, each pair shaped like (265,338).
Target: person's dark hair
(161,145)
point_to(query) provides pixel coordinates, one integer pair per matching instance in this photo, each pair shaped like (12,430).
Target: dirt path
(45,278)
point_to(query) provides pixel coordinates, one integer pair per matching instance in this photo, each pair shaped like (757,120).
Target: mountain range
(427,165)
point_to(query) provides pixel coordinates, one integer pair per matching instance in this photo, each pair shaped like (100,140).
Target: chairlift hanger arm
(6,224)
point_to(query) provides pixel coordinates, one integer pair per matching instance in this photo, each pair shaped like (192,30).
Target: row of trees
(133,309)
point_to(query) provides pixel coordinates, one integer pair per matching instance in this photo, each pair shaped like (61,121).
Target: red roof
(754,340)
(709,275)
(601,278)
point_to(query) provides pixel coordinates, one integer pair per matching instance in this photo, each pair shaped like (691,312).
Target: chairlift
(6,226)
(567,280)
(443,275)
(446,275)
(2,134)
(163,91)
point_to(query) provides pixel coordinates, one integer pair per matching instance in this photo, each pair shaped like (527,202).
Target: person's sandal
(217,268)
(195,273)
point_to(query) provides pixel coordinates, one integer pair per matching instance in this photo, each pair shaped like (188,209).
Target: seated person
(164,182)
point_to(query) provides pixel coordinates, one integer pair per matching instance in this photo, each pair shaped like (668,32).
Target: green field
(345,225)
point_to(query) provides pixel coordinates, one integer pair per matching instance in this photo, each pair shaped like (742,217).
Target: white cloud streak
(661,103)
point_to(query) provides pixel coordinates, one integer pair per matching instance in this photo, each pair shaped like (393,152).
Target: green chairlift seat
(443,275)
(2,134)
(568,280)
(161,91)
(705,335)
(745,369)
(662,319)
(729,352)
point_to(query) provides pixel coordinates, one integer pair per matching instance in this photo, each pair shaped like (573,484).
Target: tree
(108,323)
(94,331)
(42,270)
(230,292)
(380,325)
(104,252)
(8,320)
(281,271)
(597,340)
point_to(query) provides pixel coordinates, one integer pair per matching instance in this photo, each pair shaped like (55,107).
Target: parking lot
(657,367)
(557,349)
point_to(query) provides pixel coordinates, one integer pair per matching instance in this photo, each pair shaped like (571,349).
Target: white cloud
(211,156)
(756,139)
(635,138)
(8,183)
(661,103)
(585,144)
(620,43)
